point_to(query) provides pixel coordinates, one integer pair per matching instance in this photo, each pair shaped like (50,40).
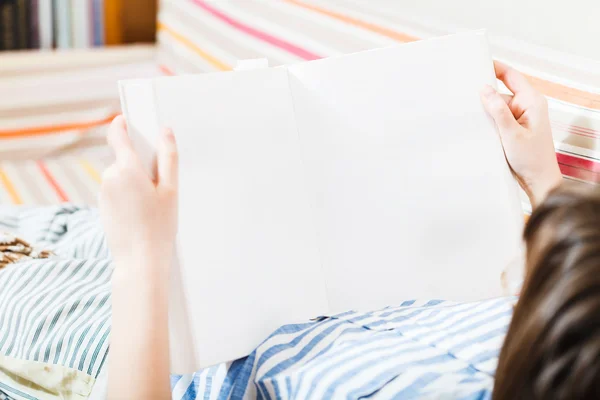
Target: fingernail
(488,91)
(169,135)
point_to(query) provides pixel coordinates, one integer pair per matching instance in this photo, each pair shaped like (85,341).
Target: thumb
(167,162)
(497,108)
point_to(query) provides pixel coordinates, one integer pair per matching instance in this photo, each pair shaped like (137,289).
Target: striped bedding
(53,117)
(57,311)
(53,101)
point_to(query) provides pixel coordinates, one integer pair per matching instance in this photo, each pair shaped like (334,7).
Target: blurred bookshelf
(75,24)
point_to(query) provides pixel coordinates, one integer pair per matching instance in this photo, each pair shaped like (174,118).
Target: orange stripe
(165,70)
(91,171)
(550,89)
(53,183)
(401,37)
(188,43)
(565,93)
(50,129)
(10,188)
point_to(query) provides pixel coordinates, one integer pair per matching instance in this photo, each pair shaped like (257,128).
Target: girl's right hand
(524,127)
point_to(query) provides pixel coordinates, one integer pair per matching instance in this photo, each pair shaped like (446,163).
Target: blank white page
(412,192)
(248,251)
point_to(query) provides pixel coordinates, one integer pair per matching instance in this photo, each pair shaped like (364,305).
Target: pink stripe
(588,130)
(577,173)
(575,132)
(576,129)
(578,162)
(265,37)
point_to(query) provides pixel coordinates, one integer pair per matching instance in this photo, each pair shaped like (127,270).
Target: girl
(551,350)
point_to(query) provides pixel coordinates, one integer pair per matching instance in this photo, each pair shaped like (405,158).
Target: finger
(109,179)
(119,140)
(167,161)
(507,98)
(513,79)
(496,106)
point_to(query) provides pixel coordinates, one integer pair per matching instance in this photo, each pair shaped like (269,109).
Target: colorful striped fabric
(202,36)
(55,108)
(57,311)
(68,178)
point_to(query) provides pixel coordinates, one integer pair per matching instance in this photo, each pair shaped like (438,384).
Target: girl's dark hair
(552,348)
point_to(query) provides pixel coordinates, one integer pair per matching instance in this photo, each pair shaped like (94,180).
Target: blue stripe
(485,356)
(300,355)
(433,303)
(394,371)
(243,377)
(174,380)
(396,319)
(414,390)
(231,377)
(476,325)
(208,387)
(481,338)
(273,350)
(191,392)
(483,394)
(435,325)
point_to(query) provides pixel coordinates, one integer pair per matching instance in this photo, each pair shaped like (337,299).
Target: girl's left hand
(139,215)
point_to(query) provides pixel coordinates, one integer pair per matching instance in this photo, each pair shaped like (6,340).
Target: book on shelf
(45,24)
(8,25)
(98,22)
(23,24)
(62,24)
(81,24)
(34,24)
(113,27)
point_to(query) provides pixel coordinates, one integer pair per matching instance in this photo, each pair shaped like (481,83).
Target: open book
(353,182)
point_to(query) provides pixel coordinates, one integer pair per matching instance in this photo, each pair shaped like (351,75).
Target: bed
(52,124)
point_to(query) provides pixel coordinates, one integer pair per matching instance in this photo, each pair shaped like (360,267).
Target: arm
(140,220)
(524,127)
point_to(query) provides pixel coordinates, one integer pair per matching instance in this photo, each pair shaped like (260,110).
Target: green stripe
(41,325)
(72,336)
(79,315)
(52,324)
(101,364)
(85,332)
(15,302)
(95,355)
(90,343)
(76,289)
(17,392)
(22,338)
(25,307)
(60,342)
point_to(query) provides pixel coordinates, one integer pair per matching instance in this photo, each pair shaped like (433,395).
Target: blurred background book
(75,24)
